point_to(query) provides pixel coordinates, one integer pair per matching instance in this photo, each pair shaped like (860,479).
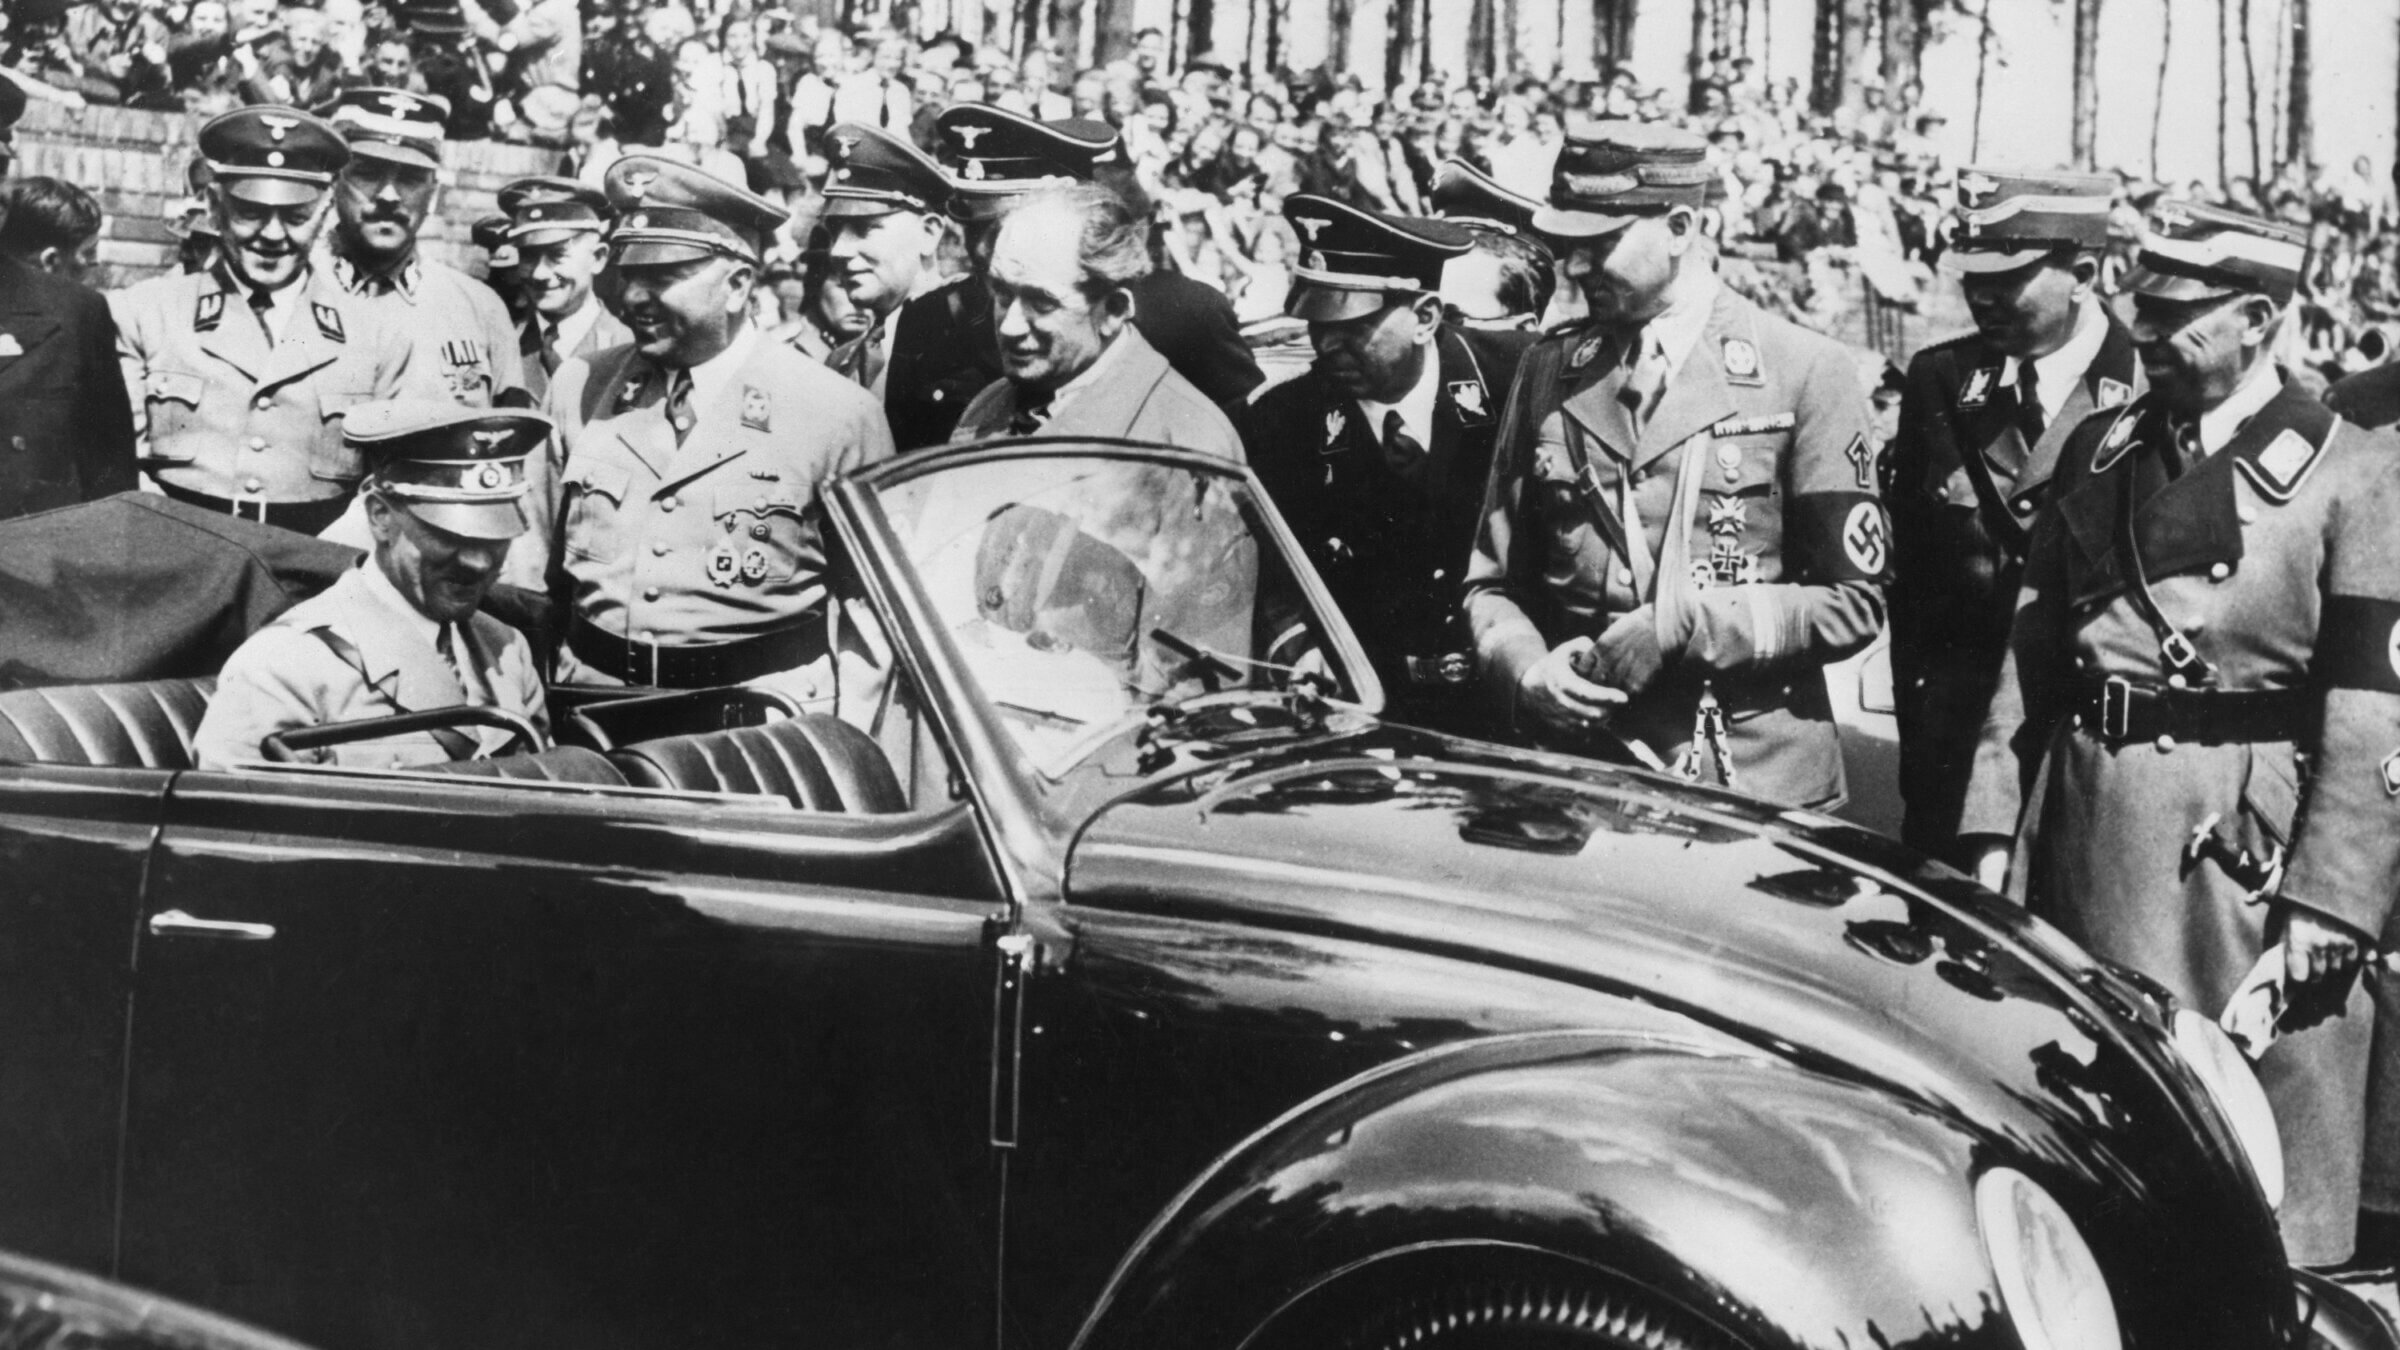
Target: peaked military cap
(876,173)
(1352,261)
(393,124)
(2195,252)
(1611,173)
(996,156)
(455,468)
(272,154)
(2007,219)
(671,212)
(546,210)
(1468,195)
(491,235)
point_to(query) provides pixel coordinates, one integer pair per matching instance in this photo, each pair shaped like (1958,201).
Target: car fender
(1785,1206)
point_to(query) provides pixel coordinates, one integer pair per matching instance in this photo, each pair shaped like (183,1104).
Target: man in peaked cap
(1982,420)
(63,409)
(239,374)
(2211,593)
(1378,455)
(400,632)
(885,206)
(559,227)
(466,346)
(1507,279)
(1681,528)
(691,539)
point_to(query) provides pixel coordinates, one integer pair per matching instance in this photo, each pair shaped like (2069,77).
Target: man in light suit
(400,632)
(1061,278)
(690,535)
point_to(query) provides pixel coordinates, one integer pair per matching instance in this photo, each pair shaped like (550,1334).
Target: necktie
(2182,450)
(1646,377)
(870,365)
(470,688)
(1033,411)
(679,402)
(262,306)
(549,347)
(1401,452)
(2030,419)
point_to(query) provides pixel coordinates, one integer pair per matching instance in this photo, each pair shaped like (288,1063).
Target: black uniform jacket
(1962,485)
(1393,547)
(66,425)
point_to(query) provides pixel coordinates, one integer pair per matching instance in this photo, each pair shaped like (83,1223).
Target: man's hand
(2315,947)
(1990,855)
(1557,699)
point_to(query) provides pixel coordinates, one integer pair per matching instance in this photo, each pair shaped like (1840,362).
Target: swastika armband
(1841,536)
(2358,644)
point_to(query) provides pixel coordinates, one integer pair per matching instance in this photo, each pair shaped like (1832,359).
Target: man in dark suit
(1378,455)
(66,420)
(1982,420)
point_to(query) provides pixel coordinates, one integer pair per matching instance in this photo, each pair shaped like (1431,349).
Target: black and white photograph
(1199,674)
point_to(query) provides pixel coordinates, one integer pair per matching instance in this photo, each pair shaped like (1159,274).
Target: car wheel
(1530,1315)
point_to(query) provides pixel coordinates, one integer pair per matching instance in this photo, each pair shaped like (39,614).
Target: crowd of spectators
(750,93)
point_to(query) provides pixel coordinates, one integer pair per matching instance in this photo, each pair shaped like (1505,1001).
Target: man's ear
(2086,271)
(2262,320)
(1428,310)
(51,260)
(1114,311)
(740,280)
(1683,226)
(382,521)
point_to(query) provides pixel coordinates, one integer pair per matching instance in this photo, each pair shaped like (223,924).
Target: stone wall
(134,163)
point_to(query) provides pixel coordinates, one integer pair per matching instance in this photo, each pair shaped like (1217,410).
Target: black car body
(1124,991)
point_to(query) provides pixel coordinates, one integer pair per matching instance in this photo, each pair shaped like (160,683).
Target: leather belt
(702,667)
(304,517)
(2117,711)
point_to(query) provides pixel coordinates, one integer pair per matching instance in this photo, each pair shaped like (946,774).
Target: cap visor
(395,154)
(650,253)
(472,520)
(2167,286)
(983,205)
(1332,304)
(1984,261)
(541,236)
(272,191)
(1559,224)
(836,207)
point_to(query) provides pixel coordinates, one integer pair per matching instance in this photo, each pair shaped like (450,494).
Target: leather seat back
(818,763)
(565,764)
(147,725)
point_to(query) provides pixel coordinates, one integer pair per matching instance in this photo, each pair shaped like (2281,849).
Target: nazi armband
(2358,644)
(1840,536)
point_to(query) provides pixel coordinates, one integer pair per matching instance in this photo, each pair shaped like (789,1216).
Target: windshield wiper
(1210,666)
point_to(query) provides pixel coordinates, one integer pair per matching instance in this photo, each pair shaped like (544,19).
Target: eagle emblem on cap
(1976,185)
(1309,225)
(848,145)
(2168,215)
(636,182)
(276,126)
(485,443)
(967,136)
(399,102)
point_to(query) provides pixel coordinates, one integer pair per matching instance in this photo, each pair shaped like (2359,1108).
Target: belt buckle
(2116,708)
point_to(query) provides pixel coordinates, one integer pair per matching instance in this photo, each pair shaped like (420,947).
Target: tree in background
(2084,132)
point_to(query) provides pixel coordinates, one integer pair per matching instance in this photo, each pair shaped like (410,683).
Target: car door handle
(176,923)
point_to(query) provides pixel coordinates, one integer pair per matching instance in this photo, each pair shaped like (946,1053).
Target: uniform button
(258,442)
(263,403)
(2246,513)
(658,550)
(2076,721)
(1624,576)
(2219,571)
(939,394)
(670,503)
(762,503)
(642,636)
(650,594)
(2024,507)
(2165,744)
(2178,682)
(253,485)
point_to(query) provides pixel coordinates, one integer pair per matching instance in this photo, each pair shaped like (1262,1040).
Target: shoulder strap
(455,744)
(2174,645)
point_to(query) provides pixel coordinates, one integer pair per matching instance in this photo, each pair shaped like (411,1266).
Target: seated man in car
(401,633)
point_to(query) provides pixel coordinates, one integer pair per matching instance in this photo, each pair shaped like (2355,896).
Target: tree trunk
(1506,53)
(2224,93)
(2258,158)
(1396,68)
(2158,103)
(1696,64)
(1983,73)
(1277,16)
(1903,48)
(1842,30)
(2300,128)
(1339,15)
(2085,126)
(1479,38)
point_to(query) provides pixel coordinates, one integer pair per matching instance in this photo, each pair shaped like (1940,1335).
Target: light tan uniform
(223,411)
(464,347)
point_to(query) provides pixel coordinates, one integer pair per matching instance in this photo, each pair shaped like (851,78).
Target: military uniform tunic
(1752,482)
(227,413)
(2276,558)
(1392,543)
(466,346)
(719,539)
(1963,480)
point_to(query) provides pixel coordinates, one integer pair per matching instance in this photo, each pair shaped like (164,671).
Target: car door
(421,1062)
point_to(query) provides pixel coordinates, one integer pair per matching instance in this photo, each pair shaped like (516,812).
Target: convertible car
(1080,978)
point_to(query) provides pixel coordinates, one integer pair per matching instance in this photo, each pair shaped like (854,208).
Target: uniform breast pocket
(763,531)
(172,398)
(592,510)
(328,457)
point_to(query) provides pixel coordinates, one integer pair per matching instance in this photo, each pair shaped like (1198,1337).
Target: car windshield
(1085,590)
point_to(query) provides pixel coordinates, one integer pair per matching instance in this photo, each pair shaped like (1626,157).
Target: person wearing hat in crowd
(463,335)
(64,413)
(1062,273)
(1377,456)
(2211,600)
(400,632)
(690,547)
(1982,420)
(503,268)
(884,206)
(1506,280)
(559,228)
(1681,529)
(239,374)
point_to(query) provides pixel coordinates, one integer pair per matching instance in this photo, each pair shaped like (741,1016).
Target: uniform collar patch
(1586,350)
(1978,389)
(755,412)
(2112,393)
(329,321)
(1468,395)
(1336,422)
(1742,365)
(208,312)
(2114,445)
(2278,470)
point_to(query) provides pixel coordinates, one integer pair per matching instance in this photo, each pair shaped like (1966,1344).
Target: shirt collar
(1093,375)
(1415,406)
(1677,331)
(574,328)
(358,280)
(711,377)
(372,578)
(2219,424)
(2054,374)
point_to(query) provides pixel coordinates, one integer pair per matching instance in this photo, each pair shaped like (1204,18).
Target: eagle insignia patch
(2279,470)
(754,408)
(1741,360)
(329,321)
(2112,394)
(1978,389)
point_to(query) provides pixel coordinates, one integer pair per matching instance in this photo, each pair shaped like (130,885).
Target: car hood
(1821,944)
